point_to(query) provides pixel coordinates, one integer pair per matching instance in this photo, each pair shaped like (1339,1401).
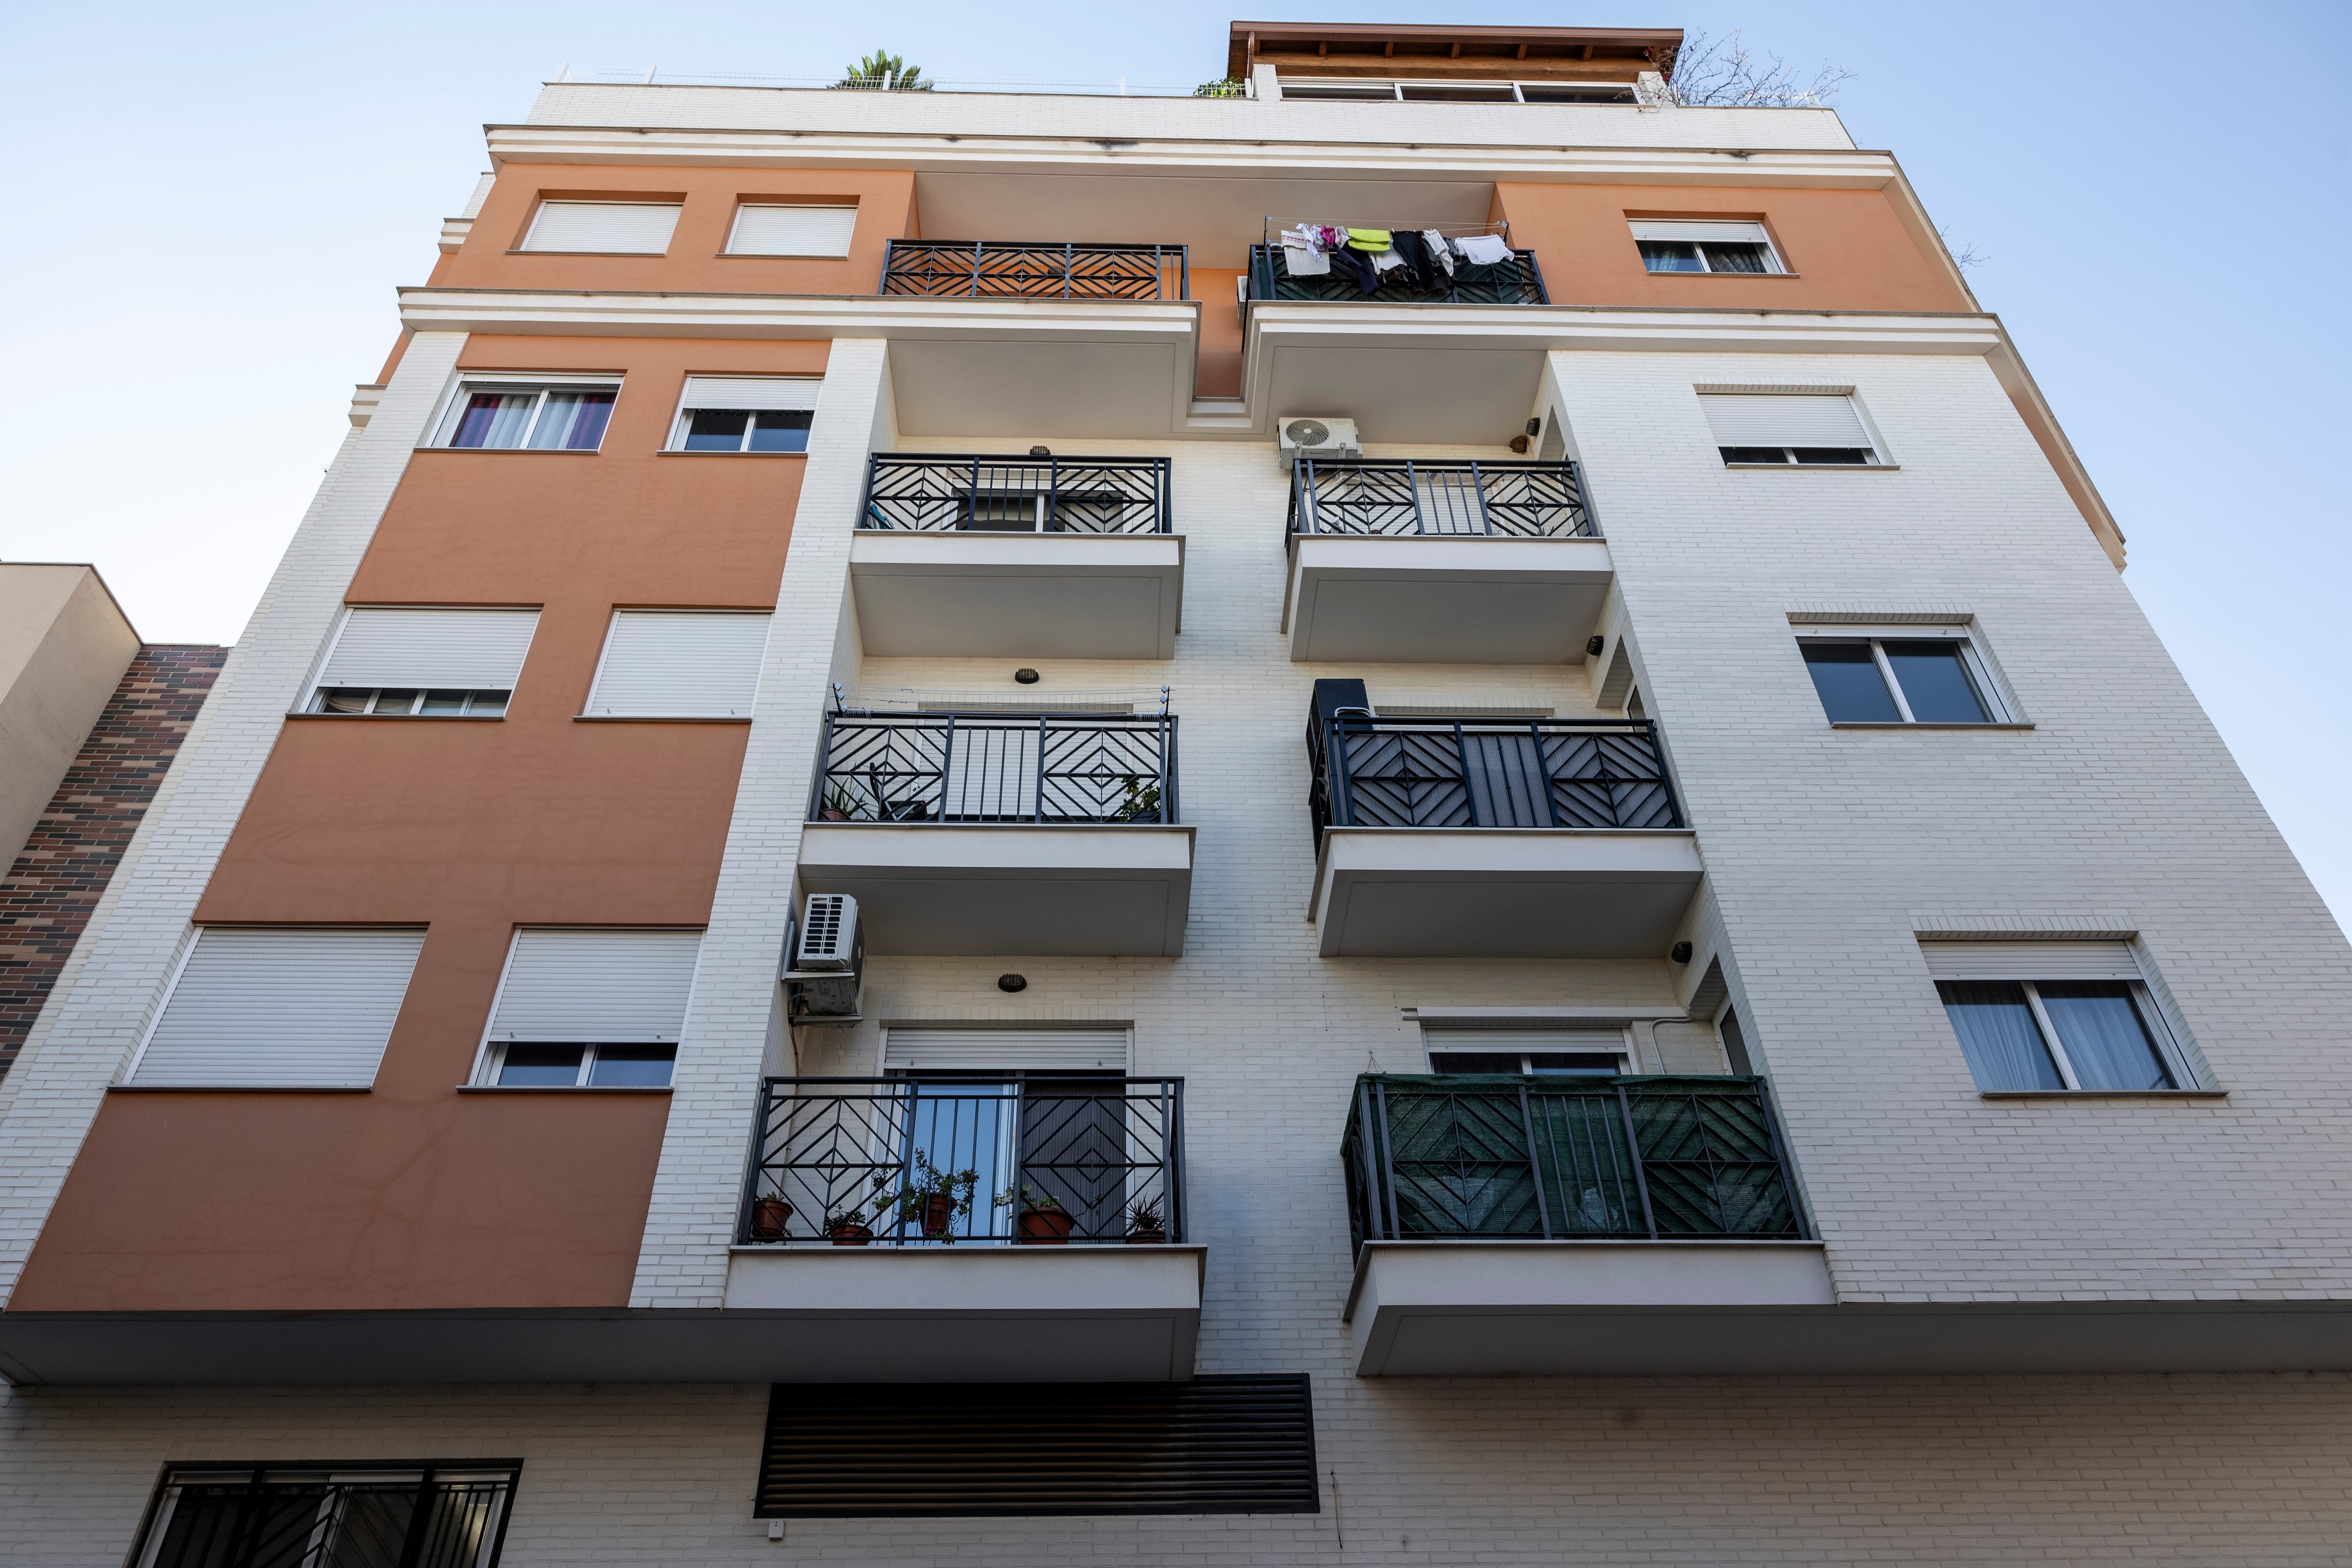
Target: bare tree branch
(1963,252)
(1724,73)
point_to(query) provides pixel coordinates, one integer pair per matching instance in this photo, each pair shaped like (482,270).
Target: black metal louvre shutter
(891,1450)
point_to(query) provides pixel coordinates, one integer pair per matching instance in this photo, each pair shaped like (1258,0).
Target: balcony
(1484,837)
(1565,1224)
(1002,834)
(943,1231)
(1433,563)
(1519,281)
(1045,558)
(992,269)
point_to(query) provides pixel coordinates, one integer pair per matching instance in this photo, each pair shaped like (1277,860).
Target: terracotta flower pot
(939,1216)
(1046,1227)
(1142,1237)
(832,814)
(769,1218)
(852,1234)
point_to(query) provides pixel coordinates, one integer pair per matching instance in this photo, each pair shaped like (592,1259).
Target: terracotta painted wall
(885,211)
(415,1195)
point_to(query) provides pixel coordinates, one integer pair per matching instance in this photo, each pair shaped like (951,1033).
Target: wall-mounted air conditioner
(1316,438)
(825,960)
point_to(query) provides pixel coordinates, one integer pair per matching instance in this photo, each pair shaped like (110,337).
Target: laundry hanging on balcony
(1485,250)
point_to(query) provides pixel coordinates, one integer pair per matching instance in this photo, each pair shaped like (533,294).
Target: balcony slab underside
(1014,890)
(973,594)
(1451,1309)
(1502,893)
(1421,599)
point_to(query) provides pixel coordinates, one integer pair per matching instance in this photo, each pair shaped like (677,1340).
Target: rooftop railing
(1519,281)
(902,1162)
(1551,1158)
(938,493)
(1513,500)
(947,768)
(1487,772)
(992,269)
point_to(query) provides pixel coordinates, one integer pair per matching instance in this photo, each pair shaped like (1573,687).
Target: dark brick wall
(49,892)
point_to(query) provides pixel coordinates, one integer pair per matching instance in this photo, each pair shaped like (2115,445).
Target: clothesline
(1425,259)
(1449,230)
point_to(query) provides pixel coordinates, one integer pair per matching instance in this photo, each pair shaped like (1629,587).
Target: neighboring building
(1760,1023)
(89,720)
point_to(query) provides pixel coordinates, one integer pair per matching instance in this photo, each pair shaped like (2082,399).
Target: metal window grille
(1037,270)
(1529,1159)
(993,493)
(1490,500)
(1489,772)
(996,768)
(1519,281)
(449,1514)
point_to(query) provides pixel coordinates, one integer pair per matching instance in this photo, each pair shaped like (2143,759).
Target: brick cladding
(55,883)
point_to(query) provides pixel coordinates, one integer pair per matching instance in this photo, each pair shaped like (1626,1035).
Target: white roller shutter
(607,987)
(917,1049)
(1777,419)
(1509,1040)
(751,391)
(478,649)
(629,228)
(662,663)
(1714,232)
(2031,960)
(290,1008)
(785,229)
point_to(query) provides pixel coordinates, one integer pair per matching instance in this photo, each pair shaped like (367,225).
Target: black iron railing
(450,1516)
(1041,270)
(1369,772)
(1515,500)
(996,768)
(938,493)
(896,1162)
(1519,281)
(1510,1158)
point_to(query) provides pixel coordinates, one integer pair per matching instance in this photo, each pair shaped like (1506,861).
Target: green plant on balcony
(1223,86)
(883,71)
(1141,804)
(932,1199)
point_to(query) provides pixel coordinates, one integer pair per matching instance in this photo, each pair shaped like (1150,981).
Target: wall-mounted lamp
(1594,644)
(1041,452)
(1025,676)
(1680,953)
(1021,982)
(1534,425)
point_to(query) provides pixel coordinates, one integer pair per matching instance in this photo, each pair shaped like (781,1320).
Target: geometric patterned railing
(996,768)
(1518,281)
(1536,1158)
(936,493)
(1369,772)
(991,270)
(1498,500)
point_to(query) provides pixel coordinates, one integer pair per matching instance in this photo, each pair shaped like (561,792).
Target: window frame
(1880,459)
(441,432)
(682,418)
(315,687)
(539,209)
(1432,1045)
(491,1051)
(1776,264)
(2000,710)
(319,693)
(2174,1061)
(163,1501)
(1347,90)
(735,228)
(494,1061)
(604,654)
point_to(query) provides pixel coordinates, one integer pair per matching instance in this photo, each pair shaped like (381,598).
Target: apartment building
(1409,817)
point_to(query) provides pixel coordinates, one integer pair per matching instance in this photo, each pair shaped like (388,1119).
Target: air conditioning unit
(825,960)
(1316,438)
(829,935)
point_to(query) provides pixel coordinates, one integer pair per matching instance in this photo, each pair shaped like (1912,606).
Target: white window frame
(735,228)
(1763,236)
(604,654)
(494,1061)
(1991,690)
(540,210)
(687,408)
(186,957)
(1347,90)
(1879,455)
(316,688)
(2159,1029)
(1433,1043)
(491,1054)
(462,387)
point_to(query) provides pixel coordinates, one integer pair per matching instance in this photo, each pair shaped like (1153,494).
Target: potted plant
(1142,801)
(1144,1224)
(1043,1222)
(847,1227)
(770,1215)
(840,805)
(931,1197)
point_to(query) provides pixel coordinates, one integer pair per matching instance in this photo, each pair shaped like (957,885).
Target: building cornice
(805,315)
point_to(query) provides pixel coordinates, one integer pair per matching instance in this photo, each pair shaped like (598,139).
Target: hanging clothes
(1373,240)
(1418,267)
(1358,265)
(1304,261)
(1388,261)
(1485,250)
(1439,253)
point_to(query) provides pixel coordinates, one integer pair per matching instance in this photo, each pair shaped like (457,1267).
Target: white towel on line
(1302,262)
(1485,250)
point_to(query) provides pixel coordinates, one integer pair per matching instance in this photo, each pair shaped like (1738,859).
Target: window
(590,1009)
(347,1516)
(745,413)
(1684,246)
(280,1008)
(679,664)
(1530,1052)
(791,229)
(1807,428)
(2055,1017)
(610,229)
(1340,89)
(446,662)
(1933,675)
(512,416)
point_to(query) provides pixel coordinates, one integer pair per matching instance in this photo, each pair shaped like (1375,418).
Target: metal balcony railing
(428,1516)
(1548,1159)
(915,1161)
(1371,772)
(1519,281)
(992,269)
(996,768)
(938,493)
(1496,500)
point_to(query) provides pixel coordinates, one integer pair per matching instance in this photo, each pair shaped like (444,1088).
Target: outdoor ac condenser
(1316,438)
(825,960)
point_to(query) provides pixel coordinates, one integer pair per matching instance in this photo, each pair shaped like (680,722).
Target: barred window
(434,1514)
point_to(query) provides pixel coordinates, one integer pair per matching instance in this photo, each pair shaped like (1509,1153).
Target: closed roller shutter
(1758,419)
(751,391)
(606,987)
(675,664)
(638,228)
(898,1450)
(1702,231)
(2031,960)
(282,1009)
(791,230)
(1006,1050)
(480,648)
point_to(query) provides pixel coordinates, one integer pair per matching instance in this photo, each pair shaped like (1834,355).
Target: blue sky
(215,202)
